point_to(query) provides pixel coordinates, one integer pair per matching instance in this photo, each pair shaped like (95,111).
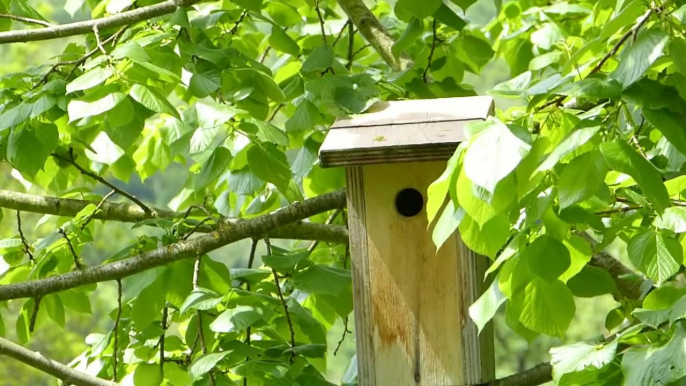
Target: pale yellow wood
(402,131)
(411,319)
(422,110)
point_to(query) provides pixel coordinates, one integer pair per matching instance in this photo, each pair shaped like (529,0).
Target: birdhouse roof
(403,131)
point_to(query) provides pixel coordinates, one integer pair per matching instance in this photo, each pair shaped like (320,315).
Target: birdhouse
(411,301)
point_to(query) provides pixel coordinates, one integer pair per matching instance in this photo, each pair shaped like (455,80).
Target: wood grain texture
(411,302)
(401,131)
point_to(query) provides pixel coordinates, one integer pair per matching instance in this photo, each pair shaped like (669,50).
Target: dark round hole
(409,202)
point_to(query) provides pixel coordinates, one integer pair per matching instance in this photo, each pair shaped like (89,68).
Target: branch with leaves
(226,234)
(34,359)
(85,27)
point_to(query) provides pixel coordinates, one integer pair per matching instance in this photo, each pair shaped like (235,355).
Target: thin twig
(27,247)
(360,50)
(34,314)
(329,221)
(265,53)
(351,44)
(196,227)
(116,329)
(276,111)
(632,32)
(345,331)
(618,210)
(112,39)
(97,40)
(248,331)
(26,20)
(283,302)
(71,249)
(321,20)
(198,313)
(233,29)
(165,312)
(340,33)
(431,53)
(71,160)
(97,208)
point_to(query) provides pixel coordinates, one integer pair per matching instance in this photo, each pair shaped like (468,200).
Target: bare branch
(226,233)
(24,242)
(97,208)
(126,212)
(36,360)
(34,314)
(375,33)
(77,263)
(84,27)
(431,53)
(329,221)
(116,330)
(26,20)
(283,302)
(72,160)
(534,376)
(321,20)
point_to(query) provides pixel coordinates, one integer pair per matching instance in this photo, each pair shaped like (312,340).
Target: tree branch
(534,376)
(125,212)
(26,20)
(227,233)
(47,365)
(84,27)
(372,30)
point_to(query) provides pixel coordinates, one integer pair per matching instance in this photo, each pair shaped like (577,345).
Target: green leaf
(147,307)
(547,257)
(484,308)
(635,60)
(282,260)
(203,364)
(580,253)
(474,52)
(656,364)
(28,148)
(131,50)
(409,37)
(269,133)
(204,84)
(420,10)
(579,356)
(492,154)
(200,299)
(153,100)
(236,319)
(249,275)
(90,79)
(251,5)
(513,87)
(213,167)
(283,14)
(282,42)
(304,118)
(97,102)
(480,205)
(446,16)
(15,116)
(624,159)
(486,240)
(592,282)
(447,224)
(319,60)
(547,308)
(571,142)
(670,124)
(212,114)
(147,374)
(673,218)
(656,255)
(626,16)
(55,309)
(581,178)
(594,88)
(438,190)
(271,165)
(322,279)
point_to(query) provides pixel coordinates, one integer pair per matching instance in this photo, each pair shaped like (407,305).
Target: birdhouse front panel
(411,301)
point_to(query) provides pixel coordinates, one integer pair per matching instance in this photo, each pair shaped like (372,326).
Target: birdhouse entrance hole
(409,202)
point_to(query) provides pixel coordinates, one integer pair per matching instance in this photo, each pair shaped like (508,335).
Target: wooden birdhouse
(411,301)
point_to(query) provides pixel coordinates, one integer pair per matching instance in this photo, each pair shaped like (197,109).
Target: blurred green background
(513,353)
